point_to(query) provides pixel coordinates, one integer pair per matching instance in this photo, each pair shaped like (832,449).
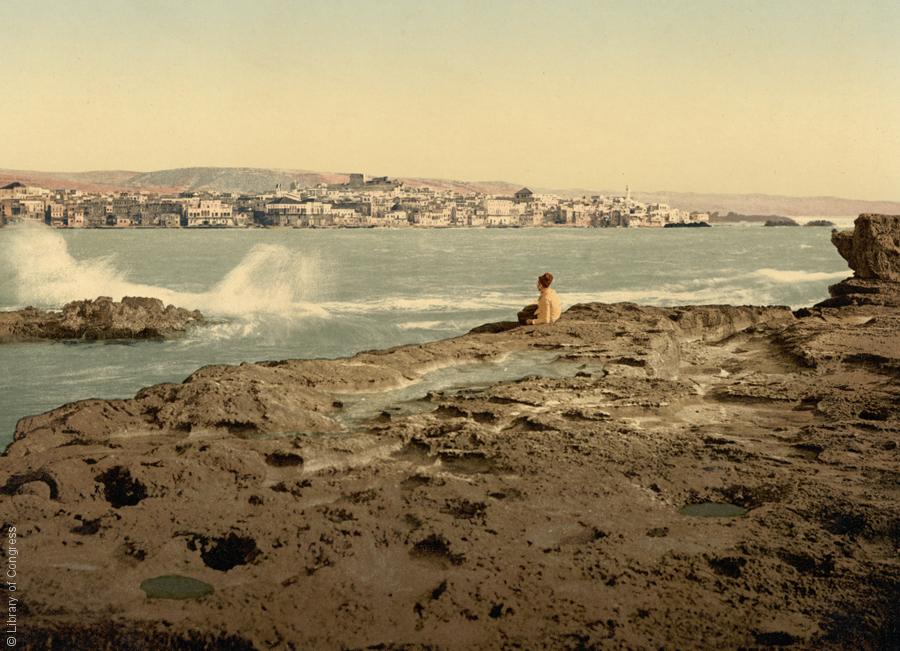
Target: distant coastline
(361,202)
(254,180)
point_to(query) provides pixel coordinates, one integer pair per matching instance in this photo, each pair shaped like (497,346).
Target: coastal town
(361,202)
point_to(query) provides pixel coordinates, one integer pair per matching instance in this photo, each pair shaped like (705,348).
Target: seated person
(548,309)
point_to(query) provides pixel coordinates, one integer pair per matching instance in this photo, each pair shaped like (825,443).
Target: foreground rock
(101,318)
(546,510)
(302,395)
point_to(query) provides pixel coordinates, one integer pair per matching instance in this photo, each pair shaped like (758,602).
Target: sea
(305,293)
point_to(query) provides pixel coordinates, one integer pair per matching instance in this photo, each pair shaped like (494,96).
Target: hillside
(230,179)
(254,179)
(98,181)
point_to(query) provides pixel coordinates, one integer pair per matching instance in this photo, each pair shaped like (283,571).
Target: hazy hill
(486,187)
(230,179)
(100,181)
(187,179)
(254,179)
(769,204)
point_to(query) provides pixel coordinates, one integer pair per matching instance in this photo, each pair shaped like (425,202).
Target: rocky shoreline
(98,319)
(305,507)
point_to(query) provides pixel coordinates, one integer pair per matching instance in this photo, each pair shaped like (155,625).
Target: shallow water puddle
(412,399)
(175,586)
(713,510)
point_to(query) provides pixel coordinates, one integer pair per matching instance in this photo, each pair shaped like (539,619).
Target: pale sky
(787,97)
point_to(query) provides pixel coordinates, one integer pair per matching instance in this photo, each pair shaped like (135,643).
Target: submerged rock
(101,318)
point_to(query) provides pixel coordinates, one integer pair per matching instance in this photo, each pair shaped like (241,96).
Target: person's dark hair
(545,279)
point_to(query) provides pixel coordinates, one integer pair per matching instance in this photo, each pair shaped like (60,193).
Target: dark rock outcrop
(872,249)
(101,318)
(780,221)
(862,291)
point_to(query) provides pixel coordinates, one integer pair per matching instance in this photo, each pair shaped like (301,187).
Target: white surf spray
(787,276)
(270,280)
(432,303)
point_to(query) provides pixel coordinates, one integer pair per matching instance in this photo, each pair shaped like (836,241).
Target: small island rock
(101,318)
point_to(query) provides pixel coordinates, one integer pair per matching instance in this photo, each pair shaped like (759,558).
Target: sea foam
(269,280)
(784,276)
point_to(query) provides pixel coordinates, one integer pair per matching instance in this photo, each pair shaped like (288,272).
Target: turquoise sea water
(325,293)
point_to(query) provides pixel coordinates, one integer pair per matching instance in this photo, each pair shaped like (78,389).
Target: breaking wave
(270,279)
(782,276)
(273,281)
(757,287)
(487,301)
(421,325)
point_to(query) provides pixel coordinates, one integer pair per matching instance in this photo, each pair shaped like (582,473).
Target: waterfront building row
(361,203)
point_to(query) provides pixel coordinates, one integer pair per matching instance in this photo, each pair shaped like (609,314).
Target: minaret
(627,194)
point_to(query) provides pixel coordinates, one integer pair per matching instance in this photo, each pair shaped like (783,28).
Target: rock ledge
(101,318)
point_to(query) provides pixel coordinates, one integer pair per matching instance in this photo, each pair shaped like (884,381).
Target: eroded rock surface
(540,511)
(872,248)
(299,395)
(100,318)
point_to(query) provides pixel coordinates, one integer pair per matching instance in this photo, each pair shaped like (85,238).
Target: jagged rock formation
(101,318)
(540,511)
(872,249)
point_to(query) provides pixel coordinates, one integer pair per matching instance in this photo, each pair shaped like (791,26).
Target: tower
(627,194)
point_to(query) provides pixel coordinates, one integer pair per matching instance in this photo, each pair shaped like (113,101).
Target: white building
(209,212)
(78,217)
(33,208)
(498,207)
(395,218)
